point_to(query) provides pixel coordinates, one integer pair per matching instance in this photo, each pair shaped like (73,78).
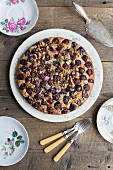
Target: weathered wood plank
(92,151)
(61,17)
(57,3)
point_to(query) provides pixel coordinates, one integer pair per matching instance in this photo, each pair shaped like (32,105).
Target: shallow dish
(105,120)
(9,126)
(18,17)
(97,69)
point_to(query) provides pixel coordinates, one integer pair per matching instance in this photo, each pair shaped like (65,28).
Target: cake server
(94,27)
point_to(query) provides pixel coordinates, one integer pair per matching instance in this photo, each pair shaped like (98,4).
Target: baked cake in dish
(55,75)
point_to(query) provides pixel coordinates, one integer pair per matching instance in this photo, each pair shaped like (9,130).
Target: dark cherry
(80,50)
(53,90)
(43,102)
(57,105)
(65,41)
(23,69)
(56,78)
(33,51)
(56,56)
(91,81)
(23,62)
(40,68)
(64,91)
(78,88)
(29,90)
(42,76)
(49,100)
(36,105)
(56,41)
(86,87)
(65,99)
(51,48)
(27,53)
(28,100)
(47,57)
(48,66)
(73,44)
(83,77)
(56,63)
(20,77)
(56,96)
(59,47)
(31,58)
(81,70)
(72,65)
(46,41)
(37,97)
(43,84)
(72,95)
(88,64)
(22,86)
(73,56)
(50,82)
(77,62)
(35,82)
(76,80)
(79,102)
(46,93)
(89,72)
(85,95)
(72,107)
(58,70)
(28,79)
(37,90)
(41,61)
(65,66)
(65,110)
(85,57)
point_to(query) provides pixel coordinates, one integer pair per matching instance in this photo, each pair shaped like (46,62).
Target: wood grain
(85,3)
(61,17)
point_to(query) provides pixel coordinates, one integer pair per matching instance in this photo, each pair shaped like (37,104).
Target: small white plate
(97,69)
(7,126)
(105,120)
(18,17)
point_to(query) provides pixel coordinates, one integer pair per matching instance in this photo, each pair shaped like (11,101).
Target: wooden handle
(50,139)
(54,145)
(61,153)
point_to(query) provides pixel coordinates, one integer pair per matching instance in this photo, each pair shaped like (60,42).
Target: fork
(82,127)
(52,138)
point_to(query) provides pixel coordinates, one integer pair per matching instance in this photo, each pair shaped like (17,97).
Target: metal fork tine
(84,123)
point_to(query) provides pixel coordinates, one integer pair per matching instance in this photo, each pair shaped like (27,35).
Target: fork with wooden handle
(58,142)
(52,138)
(82,127)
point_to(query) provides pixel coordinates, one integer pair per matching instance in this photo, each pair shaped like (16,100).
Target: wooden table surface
(93,152)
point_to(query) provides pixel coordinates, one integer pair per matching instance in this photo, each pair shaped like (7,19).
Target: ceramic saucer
(105,120)
(14,141)
(18,17)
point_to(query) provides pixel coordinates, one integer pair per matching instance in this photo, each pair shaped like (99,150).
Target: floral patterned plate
(97,68)
(14,141)
(17,17)
(105,120)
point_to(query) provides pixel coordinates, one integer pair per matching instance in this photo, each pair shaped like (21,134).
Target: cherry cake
(55,75)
